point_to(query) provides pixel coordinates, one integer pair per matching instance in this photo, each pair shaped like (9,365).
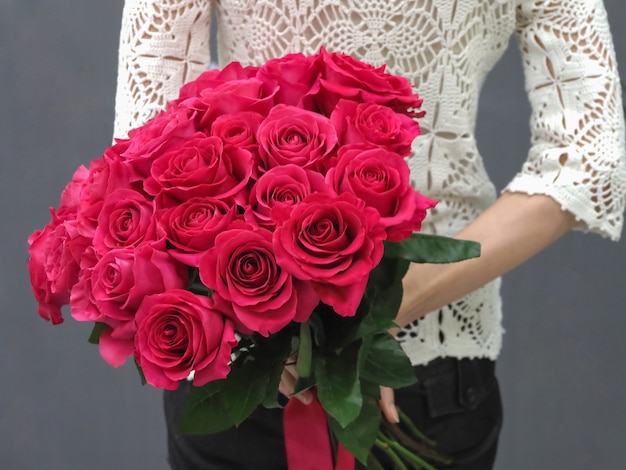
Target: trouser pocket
(457,403)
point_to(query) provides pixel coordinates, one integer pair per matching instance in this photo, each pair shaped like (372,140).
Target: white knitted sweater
(446,48)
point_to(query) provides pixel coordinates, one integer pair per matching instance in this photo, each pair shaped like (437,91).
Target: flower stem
(408,455)
(420,448)
(382,445)
(305,351)
(409,424)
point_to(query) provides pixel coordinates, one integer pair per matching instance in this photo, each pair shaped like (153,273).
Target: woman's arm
(575,174)
(515,228)
(163,45)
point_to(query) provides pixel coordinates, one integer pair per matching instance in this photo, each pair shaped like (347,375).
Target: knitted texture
(445,48)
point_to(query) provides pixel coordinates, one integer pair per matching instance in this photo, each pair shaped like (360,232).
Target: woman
(574,177)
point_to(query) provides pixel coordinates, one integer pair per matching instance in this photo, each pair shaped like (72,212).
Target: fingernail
(393,412)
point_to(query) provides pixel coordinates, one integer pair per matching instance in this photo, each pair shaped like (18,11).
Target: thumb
(387,405)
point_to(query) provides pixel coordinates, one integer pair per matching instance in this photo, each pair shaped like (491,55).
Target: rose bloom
(126,219)
(238,129)
(282,185)
(120,280)
(112,290)
(53,265)
(166,130)
(191,227)
(370,123)
(297,136)
(214,78)
(229,98)
(178,333)
(295,74)
(345,77)
(70,197)
(106,174)
(381,179)
(243,272)
(333,241)
(200,167)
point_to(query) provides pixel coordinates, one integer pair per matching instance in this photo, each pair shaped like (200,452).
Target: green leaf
(358,437)
(317,329)
(275,370)
(304,383)
(98,328)
(253,380)
(370,389)
(204,412)
(384,306)
(387,364)
(338,387)
(423,248)
(209,410)
(388,272)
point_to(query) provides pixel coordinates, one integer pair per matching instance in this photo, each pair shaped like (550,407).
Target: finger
(287,384)
(287,387)
(291,369)
(387,405)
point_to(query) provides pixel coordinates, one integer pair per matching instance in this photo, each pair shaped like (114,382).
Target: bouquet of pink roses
(267,213)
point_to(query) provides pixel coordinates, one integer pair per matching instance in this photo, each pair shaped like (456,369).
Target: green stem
(305,351)
(413,459)
(418,461)
(417,447)
(409,424)
(397,462)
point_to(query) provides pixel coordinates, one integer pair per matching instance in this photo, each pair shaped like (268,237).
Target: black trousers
(455,402)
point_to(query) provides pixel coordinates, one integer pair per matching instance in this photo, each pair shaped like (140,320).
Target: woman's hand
(388,405)
(288,381)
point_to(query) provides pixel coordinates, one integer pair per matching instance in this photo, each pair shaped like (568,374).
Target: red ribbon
(307,441)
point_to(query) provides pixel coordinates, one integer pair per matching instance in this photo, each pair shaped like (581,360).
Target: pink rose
(168,129)
(370,123)
(242,270)
(231,97)
(294,135)
(216,77)
(55,254)
(294,74)
(106,174)
(123,277)
(112,290)
(381,179)
(282,185)
(238,130)
(202,166)
(179,332)
(345,77)
(70,197)
(191,227)
(126,220)
(333,241)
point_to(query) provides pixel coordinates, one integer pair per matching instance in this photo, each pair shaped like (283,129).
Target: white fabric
(446,48)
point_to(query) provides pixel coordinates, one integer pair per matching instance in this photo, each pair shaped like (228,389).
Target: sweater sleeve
(577,153)
(163,45)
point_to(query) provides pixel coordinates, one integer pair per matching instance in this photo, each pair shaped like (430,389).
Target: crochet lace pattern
(445,48)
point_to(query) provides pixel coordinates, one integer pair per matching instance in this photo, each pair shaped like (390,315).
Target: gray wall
(62,407)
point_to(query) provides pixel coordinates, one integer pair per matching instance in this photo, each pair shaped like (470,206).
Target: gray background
(62,407)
